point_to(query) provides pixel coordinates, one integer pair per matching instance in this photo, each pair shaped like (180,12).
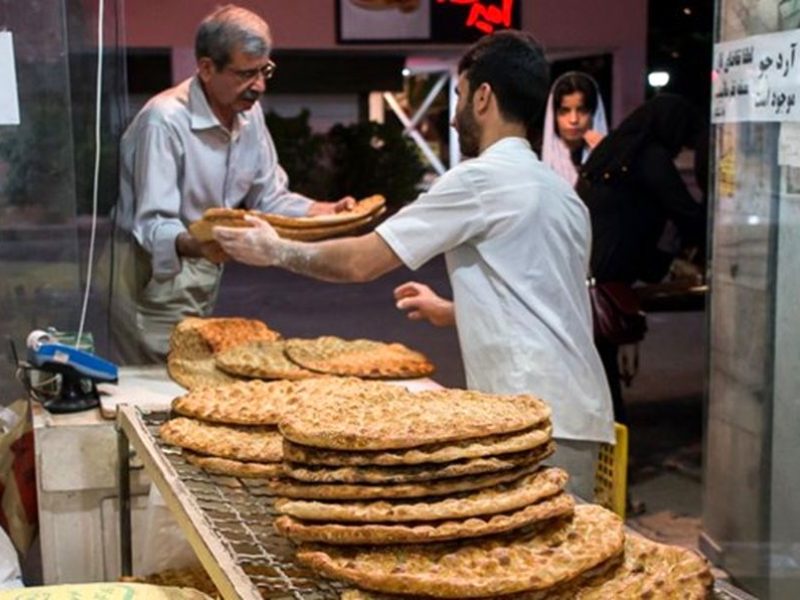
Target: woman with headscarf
(633,189)
(574,123)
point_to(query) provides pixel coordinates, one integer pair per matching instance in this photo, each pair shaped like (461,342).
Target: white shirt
(177,160)
(516,240)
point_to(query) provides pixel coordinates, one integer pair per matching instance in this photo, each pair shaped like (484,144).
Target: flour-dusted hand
(259,245)
(421,302)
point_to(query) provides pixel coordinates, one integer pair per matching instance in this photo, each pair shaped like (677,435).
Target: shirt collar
(202,115)
(511,142)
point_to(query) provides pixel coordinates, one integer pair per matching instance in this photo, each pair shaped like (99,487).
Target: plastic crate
(611,477)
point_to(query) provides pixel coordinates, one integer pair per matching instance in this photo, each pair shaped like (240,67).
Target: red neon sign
(485,16)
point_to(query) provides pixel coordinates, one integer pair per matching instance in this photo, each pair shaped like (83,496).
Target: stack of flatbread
(365,213)
(301,358)
(195,341)
(442,494)
(231,429)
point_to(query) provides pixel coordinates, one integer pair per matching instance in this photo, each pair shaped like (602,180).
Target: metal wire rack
(227,520)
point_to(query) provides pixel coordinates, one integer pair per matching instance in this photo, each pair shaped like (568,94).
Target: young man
(198,145)
(516,239)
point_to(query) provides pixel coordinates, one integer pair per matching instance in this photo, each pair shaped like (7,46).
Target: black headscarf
(666,119)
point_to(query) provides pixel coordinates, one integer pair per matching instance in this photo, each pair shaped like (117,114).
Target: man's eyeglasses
(247,75)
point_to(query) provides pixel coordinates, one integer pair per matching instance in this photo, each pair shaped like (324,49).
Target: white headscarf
(555,152)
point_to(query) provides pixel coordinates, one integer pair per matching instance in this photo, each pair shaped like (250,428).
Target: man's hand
(188,246)
(259,245)
(329,208)
(592,138)
(421,302)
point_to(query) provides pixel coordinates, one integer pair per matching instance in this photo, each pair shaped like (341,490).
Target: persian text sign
(757,79)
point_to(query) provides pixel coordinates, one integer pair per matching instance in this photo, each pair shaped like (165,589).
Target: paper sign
(757,78)
(9,104)
(789,145)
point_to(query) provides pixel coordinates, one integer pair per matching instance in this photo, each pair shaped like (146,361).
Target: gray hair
(230,28)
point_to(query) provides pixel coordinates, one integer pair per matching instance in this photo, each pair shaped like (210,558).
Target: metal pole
(124,483)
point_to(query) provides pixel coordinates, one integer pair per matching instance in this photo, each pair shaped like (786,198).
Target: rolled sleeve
(166,262)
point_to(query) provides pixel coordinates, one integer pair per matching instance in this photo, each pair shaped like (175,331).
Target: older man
(516,239)
(200,144)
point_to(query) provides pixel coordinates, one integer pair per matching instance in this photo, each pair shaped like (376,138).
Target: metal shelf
(228,521)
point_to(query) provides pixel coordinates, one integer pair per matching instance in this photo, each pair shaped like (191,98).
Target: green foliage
(300,151)
(359,159)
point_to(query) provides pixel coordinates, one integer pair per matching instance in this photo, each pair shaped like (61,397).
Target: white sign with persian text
(9,103)
(757,78)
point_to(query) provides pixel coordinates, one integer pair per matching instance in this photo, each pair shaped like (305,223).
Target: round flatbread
(492,445)
(310,234)
(560,505)
(416,473)
(233,468)
(195,373)
(247,444)
(344,491)
(501,498)
(363,209)
(537,560)
(401,419)
(358,358)
(240,403)
(264,359)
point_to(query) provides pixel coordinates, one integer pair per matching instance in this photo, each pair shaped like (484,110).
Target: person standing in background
(633,189)
(198,145)
(574,123)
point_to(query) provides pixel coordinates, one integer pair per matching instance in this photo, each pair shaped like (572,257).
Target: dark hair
(230,28)
(513,64)
(572,82)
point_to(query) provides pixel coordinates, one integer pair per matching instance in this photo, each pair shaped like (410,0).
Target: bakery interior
(96,497)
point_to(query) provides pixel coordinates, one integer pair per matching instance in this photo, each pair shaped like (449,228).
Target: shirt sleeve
(158,200)
(448,215)
(270,190)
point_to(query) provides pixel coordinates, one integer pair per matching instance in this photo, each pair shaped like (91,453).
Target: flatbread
(502,498)
(310,234)
(654,571)
(344,491)
(228,332)
(648,570)
(560,505)
(417,473)
(364,208)
(358,358)
(537,560)
(197,337)
(247,444)
(401,419)
(264,359)
(203,229)
(240,403)
(195,373)
(234,468)
(563,591)
(492,445)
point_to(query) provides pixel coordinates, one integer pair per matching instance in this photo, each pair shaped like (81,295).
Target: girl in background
(574,123)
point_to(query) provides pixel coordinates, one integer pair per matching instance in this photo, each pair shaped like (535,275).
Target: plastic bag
(19,513)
